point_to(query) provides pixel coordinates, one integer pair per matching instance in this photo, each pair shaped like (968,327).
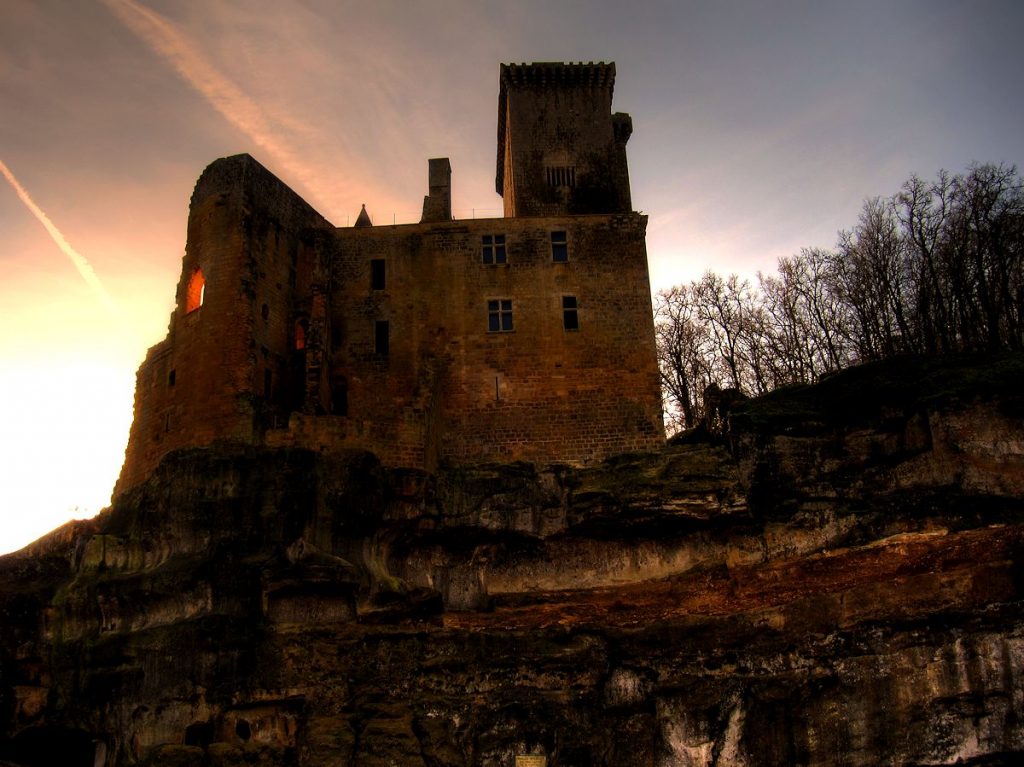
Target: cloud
(237,107)
(77,259)
(392,101)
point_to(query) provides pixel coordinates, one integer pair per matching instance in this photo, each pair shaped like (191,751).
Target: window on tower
(561,175)
(493,246)
(499,315)
(301,329)
(377,274)
(382,337)
(559,247)
(570,313)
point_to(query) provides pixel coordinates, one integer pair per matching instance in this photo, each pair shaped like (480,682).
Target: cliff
(835,581)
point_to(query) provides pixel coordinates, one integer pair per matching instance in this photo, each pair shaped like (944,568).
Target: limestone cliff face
(833,582)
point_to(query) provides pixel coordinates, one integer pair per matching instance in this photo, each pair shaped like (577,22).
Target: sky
(759,129)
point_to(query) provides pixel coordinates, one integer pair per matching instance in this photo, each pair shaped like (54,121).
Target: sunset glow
(757,131)
(77,259)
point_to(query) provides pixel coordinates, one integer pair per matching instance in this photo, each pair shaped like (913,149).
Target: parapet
(556,73)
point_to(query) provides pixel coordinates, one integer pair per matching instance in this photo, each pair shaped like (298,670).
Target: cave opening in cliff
(47,746)
(243,730)
(199,734)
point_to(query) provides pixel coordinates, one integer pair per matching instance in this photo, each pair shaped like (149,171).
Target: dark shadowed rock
(836,581)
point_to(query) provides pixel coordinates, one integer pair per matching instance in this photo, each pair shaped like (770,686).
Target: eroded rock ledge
(835,581)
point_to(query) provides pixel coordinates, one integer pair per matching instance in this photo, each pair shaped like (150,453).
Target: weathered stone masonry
(527,337)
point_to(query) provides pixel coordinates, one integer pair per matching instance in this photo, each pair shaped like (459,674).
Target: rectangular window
(561,175)
(570,316)
(377,274)
(499,315)
(268,383)
(494,249)
(382,337)
(559,247)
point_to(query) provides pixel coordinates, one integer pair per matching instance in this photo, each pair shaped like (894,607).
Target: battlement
(553,74)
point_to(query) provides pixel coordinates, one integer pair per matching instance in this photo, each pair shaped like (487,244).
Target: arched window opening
(301,327)
(195,294)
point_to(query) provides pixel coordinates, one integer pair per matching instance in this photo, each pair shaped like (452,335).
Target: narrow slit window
(382,337)
(499,315)
(559,247)
(493,246)
(570,313)
(377,274)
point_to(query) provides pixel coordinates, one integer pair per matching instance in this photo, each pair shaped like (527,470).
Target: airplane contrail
(222,94)
(77,259)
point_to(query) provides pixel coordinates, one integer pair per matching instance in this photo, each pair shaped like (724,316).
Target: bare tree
(938,267)
(965,234)
(683,343)
(808,324)
(923,210)
(729,308)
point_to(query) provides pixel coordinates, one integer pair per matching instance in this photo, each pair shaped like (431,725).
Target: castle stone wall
(535,392)
(528,337)
(222,374)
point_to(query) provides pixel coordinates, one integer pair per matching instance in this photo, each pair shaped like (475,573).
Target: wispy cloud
(77,259)
(237,107)
(373,127)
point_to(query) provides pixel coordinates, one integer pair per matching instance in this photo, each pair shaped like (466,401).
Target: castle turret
(560,148)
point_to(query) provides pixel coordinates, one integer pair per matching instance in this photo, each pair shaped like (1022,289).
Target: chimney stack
(437,206)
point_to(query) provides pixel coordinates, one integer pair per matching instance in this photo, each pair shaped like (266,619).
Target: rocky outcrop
(834,582)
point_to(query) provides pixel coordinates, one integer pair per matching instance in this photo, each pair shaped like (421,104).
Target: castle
(527,337)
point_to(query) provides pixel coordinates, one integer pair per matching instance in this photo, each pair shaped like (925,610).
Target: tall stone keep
(561,150)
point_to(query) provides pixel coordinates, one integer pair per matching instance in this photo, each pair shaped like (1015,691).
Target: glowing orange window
(196,291)
(301,327)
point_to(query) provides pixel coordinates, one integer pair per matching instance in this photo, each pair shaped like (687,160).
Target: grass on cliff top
(881,389)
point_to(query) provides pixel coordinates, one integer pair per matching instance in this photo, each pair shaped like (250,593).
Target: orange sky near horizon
(757,132)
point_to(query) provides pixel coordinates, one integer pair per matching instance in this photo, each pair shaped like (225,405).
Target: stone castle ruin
(526,337)
(399,543)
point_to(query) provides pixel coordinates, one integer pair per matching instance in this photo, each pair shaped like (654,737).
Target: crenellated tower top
(561,150)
